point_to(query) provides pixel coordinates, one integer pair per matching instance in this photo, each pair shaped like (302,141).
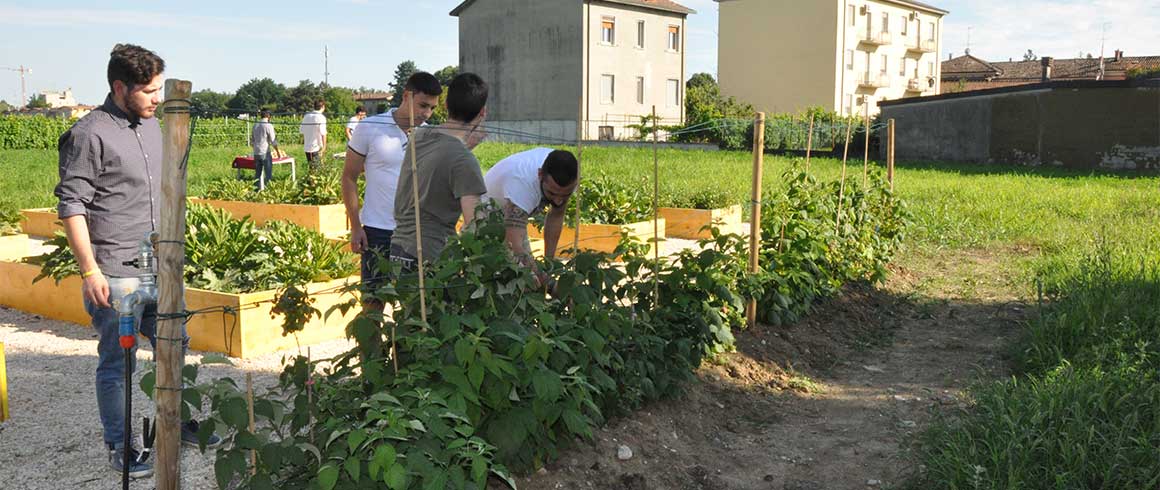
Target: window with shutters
(640,34)
(674,38)
(673,93)
(607,89)
(640,90)
(608,30)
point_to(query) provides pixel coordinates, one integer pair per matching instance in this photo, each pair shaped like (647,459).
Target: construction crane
(23,93)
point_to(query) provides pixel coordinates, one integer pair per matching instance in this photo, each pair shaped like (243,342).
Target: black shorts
(375,269)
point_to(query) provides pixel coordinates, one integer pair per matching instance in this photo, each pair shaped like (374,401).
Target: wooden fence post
(579,172)
(810,143)
(170,351)
(842,184)
(866,156)
(890,153)
(656,211)
(755,214)
(250,409)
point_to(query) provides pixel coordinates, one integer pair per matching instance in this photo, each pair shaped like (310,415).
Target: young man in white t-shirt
(377,148)
(359,115)
(522,186)
(313,129)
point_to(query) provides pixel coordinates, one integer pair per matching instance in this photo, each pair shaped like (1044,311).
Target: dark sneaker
(137,469)
(189,436)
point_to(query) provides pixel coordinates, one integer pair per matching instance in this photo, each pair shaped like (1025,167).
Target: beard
(140,109)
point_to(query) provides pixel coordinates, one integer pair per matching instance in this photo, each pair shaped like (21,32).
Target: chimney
(1047,62)
(1119,55)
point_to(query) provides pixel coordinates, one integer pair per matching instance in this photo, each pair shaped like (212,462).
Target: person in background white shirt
(376,148)
(313,129)
(523,185)
(359,115)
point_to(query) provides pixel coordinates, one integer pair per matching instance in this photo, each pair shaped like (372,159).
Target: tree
(259,93)
(339,101)
(700,80)
(209,102)
(37,102)
(5,106)
(1030,56)
(301,98)
(402,73)
(446,75)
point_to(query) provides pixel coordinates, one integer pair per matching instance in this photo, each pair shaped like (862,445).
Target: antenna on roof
(1103,41)
(969,28)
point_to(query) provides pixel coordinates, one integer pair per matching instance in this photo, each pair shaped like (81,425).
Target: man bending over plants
(523,185)
(450,181)
(110,198)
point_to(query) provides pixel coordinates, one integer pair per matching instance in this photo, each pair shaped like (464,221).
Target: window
(849,59)
(673,93)
(608,30)
(885,65)
(640,34)
(607,89)
(902,67)
(885,22)
(930,68)
(905,25)
(930,31)
(674,38)
(851,13)
(849,109)
(605,133)
(640,90)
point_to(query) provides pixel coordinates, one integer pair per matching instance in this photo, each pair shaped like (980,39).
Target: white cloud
(202,25)
(1002,29)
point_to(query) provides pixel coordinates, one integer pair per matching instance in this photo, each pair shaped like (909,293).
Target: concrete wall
(625,62)
(529,52)
(1112,125)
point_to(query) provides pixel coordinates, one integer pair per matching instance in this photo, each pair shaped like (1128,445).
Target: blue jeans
(263,170)
(111,357)
(378,249)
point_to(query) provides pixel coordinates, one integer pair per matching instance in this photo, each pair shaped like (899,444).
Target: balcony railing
(875,38)
(873,80)
(914,85)
(916,46)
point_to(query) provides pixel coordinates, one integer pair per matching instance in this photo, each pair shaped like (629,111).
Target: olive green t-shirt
(447,171)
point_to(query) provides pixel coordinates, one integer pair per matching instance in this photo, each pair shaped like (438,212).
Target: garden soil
(832,402)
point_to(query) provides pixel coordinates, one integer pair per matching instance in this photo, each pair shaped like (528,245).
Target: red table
(247,162)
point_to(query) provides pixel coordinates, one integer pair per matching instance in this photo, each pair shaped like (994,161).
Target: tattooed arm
(516,232)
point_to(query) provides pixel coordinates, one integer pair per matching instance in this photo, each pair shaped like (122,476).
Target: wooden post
(170,352)
(418,237)
(890,153)
(310,393)
(866,156)
(250,407)
(656,211)
(810,142)
(842,185)
(755,214)
(579,171)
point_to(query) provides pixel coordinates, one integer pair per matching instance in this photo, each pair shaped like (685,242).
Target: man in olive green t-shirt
(450,180)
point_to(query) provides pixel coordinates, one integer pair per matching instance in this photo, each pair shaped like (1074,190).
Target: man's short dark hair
(133,65)
(264,113)
(466,97)
(423,83)
(319,104)
(562,166)
(360,110)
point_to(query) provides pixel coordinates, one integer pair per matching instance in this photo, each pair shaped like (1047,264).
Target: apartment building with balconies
(842,55)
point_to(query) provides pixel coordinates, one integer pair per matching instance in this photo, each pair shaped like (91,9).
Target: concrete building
(552,62)
(967,73)
(842,55)
(374,102)
(57,100)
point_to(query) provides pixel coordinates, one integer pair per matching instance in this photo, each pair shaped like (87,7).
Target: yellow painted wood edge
(4,415)
(42,222)
(328,219)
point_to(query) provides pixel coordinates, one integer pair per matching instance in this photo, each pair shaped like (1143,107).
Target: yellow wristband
(90,273)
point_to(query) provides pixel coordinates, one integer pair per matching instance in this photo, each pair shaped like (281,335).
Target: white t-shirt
(313,129)
(353,123)
(383,144)
(517,179)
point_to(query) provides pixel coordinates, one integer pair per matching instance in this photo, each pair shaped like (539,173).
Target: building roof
(905,3)
(971,68)
(665,5)
(374,96)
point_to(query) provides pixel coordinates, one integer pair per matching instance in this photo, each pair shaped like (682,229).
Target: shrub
(31,132)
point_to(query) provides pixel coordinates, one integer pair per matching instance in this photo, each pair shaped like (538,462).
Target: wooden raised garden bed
(690,223)
(40,222)
(603,238)
(328,219)
(14,247)
(248,333)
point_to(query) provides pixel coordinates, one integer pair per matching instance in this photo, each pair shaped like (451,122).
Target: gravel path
(53,440)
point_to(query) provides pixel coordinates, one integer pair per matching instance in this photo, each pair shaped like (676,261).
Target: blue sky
(220,45)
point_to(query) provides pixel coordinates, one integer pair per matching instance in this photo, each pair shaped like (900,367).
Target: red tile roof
(666,5)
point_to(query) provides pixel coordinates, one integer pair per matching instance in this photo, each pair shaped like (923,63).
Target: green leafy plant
(10,218)
(611,201)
